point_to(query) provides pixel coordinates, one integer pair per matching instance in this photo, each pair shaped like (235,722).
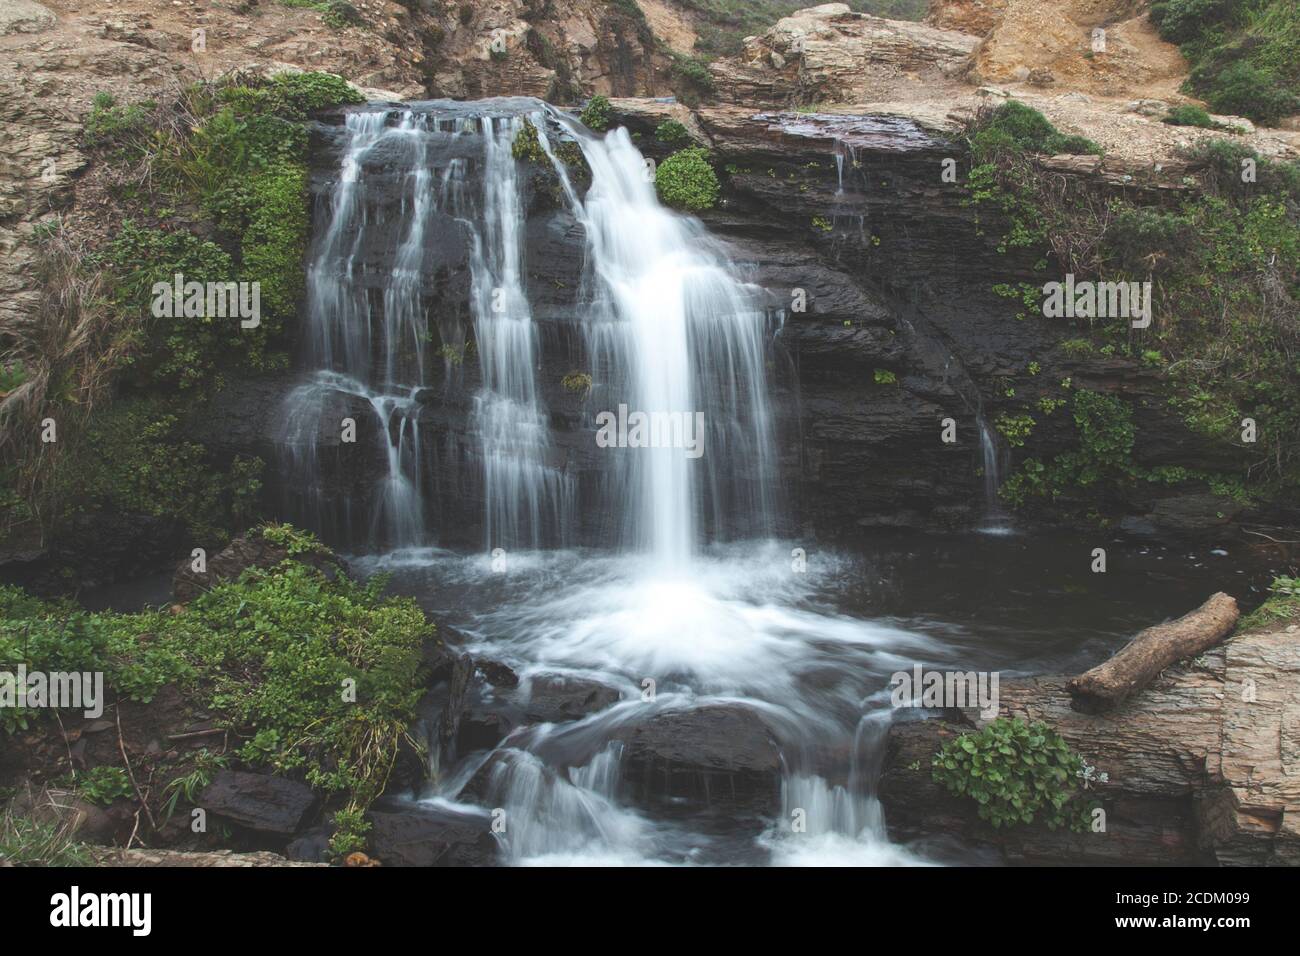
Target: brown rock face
(1102,47)
(830,54)
(1201,766)
(976,17)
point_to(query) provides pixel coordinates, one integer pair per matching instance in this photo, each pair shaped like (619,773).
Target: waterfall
(422,252)
(995,518)
(359,365)
(525,494)
(671,332)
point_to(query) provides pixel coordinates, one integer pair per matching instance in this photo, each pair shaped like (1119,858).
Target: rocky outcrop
(1200,767)
(250,550)
(830,54)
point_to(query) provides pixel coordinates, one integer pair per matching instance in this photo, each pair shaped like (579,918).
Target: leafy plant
(597,114)
(883,376)
(1016,772)
(103,784)
(672,133)
(577,382)
(685,180)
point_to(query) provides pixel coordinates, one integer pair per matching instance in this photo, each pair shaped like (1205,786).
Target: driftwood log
(1140,661)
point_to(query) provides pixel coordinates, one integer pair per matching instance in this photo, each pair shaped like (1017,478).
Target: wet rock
(263,803)
(498,674)
(719,757)
(554,698)
(312,847)
(408,836)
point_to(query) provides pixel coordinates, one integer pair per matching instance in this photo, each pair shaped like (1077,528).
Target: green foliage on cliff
(672,133)
(1244,54)
(685,180)
(1002,142)
(1223,260)
(210,185)
(596,115)
(315,677)
(1017,773)
(133,458)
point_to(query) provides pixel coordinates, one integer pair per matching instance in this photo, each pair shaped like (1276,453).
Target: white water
(695,596)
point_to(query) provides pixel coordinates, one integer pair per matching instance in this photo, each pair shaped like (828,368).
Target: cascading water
(693,598)
(670,332)
(525,493)
(359,364)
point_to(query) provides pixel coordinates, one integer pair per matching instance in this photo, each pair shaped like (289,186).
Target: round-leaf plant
(1017,772)
(686,180)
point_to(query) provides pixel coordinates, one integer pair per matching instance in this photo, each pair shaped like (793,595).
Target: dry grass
(69,346)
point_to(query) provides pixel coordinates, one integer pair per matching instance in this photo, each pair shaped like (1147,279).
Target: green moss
(883,376)
(685,180)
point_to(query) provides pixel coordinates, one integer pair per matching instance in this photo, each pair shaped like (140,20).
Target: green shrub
(685,180)
(128,127)
(597,114)
(883,376)
(1015,127)
(1244,54)
(1189,115)
(672,133)
(1243,89)
(1016,429)
(1017,772)
(527,146)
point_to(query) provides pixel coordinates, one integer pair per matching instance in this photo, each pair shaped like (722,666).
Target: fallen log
(1140,661)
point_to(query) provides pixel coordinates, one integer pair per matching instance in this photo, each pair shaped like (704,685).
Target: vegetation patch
(597,114)
(685,180)
(314,676)
(1017,773)
(211,186)
(1244,54)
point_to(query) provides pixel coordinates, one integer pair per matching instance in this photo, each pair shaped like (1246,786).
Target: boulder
(722,758)
(1201,766)
(409,836)
(553,698)
(263,803)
